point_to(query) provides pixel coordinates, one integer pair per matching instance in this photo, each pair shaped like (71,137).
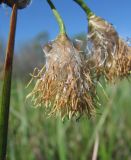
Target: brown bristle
(65,86)
(109,54)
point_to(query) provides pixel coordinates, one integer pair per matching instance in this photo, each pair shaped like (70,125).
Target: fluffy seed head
(64,86)
(102,41)
(106,52)
(121,64)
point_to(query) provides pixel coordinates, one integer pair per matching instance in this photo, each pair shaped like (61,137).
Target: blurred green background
(34,136)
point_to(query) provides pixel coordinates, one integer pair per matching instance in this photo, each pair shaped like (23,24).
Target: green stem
(6,90)
(58,17)
(84,6)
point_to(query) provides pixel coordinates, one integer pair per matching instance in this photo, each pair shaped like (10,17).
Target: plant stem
(84,6)
(96,146)
(58,17)
(6,90)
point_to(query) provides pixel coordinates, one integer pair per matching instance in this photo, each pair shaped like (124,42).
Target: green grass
(33,136)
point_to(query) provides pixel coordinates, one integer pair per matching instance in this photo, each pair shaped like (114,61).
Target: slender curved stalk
(58,17)
(84,6)
(6,90)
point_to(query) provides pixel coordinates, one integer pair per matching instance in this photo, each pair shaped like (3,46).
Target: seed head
(102,41)
(121,64)
(65,84)
(107,53)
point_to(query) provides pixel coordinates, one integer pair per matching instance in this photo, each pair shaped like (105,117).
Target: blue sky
(38,18)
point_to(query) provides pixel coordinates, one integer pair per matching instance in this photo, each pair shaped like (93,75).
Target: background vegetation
(33,136)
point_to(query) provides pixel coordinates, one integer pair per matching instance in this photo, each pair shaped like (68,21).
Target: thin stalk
(58,17)
(6,89)
(96,146)
(84,6)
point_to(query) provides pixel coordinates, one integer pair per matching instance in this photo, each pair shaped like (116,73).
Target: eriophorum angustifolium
(64,86)
(102,41)
(107,53)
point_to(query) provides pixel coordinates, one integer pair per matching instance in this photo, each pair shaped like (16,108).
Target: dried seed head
(65,85)
(102,41)
(106,52)
(121,64)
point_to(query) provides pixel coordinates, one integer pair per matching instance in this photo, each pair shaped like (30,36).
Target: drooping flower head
(103,41)
(104,52)
(109,54)
(64,85)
